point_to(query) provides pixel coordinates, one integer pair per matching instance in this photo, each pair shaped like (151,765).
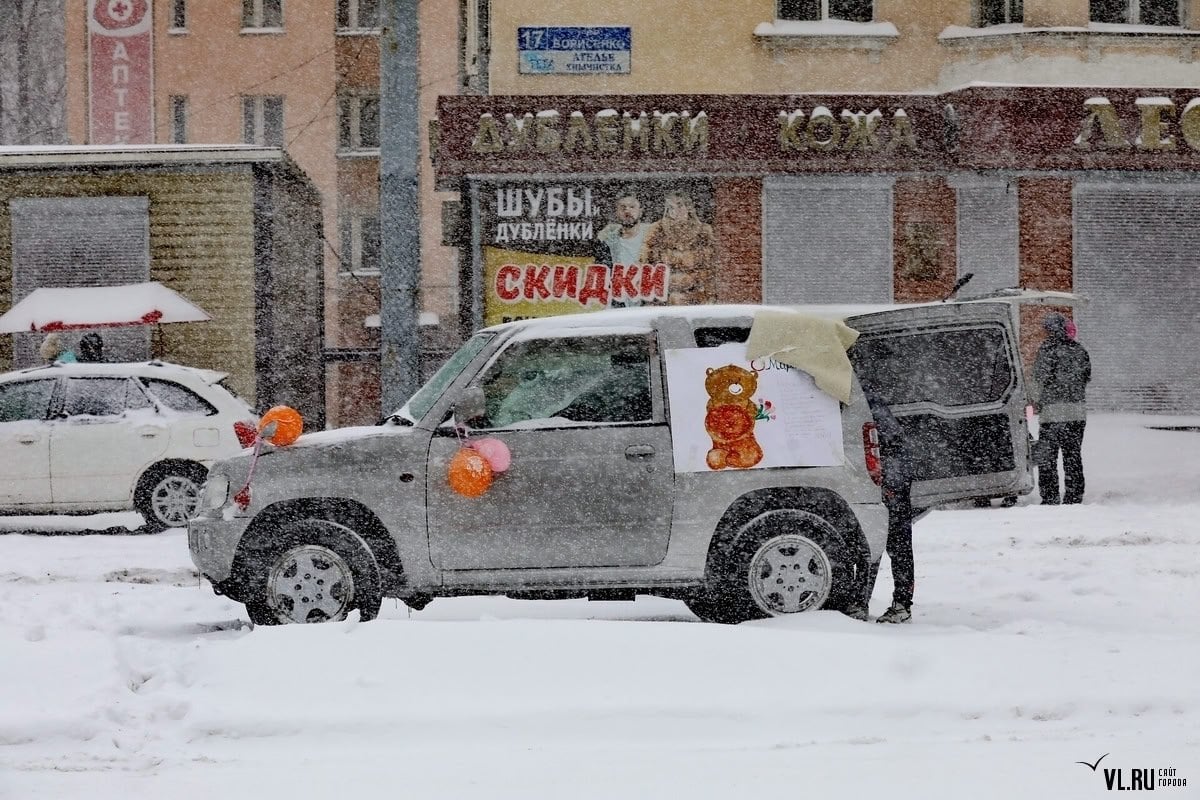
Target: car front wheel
(167,496)
(314,571)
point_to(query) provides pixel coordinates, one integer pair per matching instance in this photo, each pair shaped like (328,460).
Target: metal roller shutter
(1136,261)
(827,241)
(81,241)
(987,237)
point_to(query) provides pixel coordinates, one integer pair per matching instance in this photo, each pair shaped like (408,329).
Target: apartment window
(262,120)
(1136,12)
(1000,12)
(357,14)
(358,123)
(361,243)
(850,10)
(262,13)
(179,119)
(179,15)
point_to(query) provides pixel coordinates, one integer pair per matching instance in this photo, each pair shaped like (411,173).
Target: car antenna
(958,284)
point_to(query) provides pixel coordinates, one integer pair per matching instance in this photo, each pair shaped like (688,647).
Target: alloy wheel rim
(790,574)
(174,500)
(310,583)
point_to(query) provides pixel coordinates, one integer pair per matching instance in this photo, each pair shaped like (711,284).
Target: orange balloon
(470,473)
(288,425)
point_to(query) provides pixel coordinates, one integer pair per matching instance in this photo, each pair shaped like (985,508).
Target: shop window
(358,123)
(262,14)
(849,10)
(262,120)
(1136,12)
(1000,12)
(361,243)
(179,119)
(357,15)
(178,15)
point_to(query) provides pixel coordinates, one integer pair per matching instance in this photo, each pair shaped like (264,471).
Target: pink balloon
(495,451)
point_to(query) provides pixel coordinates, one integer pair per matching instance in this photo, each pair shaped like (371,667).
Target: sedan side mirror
(470,405)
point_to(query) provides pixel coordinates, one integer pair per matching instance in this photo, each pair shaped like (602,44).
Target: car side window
(177,398)
(547,383)
(27,400)
(95,397)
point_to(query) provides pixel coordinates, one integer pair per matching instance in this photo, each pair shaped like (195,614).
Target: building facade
(304,74)
(298,74)
(859,159)
(235,229)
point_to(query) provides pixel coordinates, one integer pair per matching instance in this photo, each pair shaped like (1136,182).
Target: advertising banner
(120,72)
(731,412)
(566,247)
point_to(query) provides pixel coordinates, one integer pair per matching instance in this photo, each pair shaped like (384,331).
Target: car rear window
(949,367)
(177,398)
(717,336)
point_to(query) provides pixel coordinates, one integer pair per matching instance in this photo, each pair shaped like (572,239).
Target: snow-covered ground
(1044,636)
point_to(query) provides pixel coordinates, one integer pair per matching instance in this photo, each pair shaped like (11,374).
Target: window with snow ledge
(843,24)
(1166,13)
(1000,12)
(1093,37)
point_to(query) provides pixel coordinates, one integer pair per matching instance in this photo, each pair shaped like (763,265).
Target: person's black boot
(896,613)
(856,611)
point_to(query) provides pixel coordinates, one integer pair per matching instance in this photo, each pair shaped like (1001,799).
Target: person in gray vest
(1061,373)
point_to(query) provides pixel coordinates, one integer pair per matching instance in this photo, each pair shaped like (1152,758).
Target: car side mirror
(470,405)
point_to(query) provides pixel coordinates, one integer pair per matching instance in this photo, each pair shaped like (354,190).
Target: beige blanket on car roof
(812,344)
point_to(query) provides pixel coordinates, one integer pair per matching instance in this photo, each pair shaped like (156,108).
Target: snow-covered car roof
(143,369)
(645,315)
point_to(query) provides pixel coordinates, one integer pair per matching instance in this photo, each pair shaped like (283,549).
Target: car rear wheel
(783,562)
(314,571)
(167,496)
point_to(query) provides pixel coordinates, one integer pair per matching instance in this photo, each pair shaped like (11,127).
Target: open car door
(951,373)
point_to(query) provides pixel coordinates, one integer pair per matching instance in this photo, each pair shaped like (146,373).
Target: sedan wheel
(789,574)
(310,583)
(173,500)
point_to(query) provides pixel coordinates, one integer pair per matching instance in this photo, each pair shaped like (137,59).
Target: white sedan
(108,437)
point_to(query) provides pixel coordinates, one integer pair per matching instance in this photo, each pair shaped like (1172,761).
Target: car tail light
(871,452)
(246,433)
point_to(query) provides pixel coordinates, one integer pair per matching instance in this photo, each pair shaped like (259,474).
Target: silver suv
(596,501)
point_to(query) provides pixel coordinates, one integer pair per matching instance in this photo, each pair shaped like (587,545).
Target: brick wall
(201,245)
(924,244)
(1046,251)
(738,226)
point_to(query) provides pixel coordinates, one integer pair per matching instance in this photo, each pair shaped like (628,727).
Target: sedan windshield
(420,403)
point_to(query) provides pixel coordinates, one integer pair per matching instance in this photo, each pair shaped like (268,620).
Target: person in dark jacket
(91,347)
(1061,373)
(898,473)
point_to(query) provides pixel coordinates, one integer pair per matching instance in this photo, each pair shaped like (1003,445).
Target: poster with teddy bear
(728,412)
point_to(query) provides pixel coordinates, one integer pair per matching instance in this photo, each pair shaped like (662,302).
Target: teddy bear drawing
(730,415)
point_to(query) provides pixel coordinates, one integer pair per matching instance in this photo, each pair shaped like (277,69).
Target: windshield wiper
(396,419)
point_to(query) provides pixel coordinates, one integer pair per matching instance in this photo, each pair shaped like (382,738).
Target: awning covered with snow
(83,307)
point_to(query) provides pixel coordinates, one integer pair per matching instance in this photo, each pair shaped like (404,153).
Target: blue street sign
(574,51)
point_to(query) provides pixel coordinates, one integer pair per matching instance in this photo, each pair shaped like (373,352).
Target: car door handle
(27,439)
(148,433)
(639,452)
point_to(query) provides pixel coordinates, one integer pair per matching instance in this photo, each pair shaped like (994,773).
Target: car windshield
(420,403)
